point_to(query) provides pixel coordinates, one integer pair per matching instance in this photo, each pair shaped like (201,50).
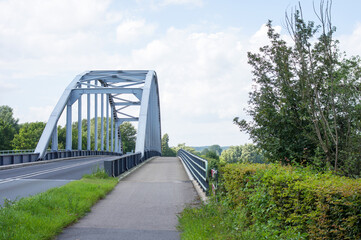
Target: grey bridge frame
(122,90)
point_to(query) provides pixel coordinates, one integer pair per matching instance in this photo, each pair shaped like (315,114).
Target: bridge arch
(122,91)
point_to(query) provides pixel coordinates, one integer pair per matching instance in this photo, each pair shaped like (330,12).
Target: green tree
(205,151)
(8,127)
(128,134)
(7,133)
(28,136)
(216,148)
(306,105)
(251,154)
(232,154)
(166,150)
(184,147)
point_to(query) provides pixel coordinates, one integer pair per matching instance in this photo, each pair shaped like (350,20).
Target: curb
(198,189)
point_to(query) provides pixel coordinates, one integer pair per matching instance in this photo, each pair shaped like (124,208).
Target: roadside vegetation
(271,201)
(44,215)
(306,124)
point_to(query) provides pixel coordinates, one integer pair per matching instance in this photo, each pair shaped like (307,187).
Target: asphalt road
(144,205)
(25,181)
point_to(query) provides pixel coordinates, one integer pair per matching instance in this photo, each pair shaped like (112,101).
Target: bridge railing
(11,152)
(197,167)
(117,166)
(8,159)
(122,164)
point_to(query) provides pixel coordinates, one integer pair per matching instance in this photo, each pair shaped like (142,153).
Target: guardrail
(9,159)
(197,166)
(116,167)
(10,152)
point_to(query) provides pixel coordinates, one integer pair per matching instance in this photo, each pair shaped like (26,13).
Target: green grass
(218,221)
(43,216)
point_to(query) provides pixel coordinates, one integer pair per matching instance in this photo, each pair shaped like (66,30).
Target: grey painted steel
(55,115)
(88,120)
(54,140)
(149,129)
(80,130)
(96,118)
(107,113)
(115,167)
(68,142)
(102,122)
(20,158)
(124,90)
(111,130)
(197,166)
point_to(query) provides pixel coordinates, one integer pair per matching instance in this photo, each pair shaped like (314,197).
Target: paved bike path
(144,205)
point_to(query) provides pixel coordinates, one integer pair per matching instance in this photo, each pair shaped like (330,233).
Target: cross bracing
(122,96)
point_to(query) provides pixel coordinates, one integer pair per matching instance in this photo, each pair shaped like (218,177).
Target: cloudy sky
(197,47)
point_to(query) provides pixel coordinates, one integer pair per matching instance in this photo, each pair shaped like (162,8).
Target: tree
(306,104)
(7,133)
(8,127)
(232,154)
(216,148)
(166,150)
(251,154)
(184,147)
(128,134)
(205,151)
(28,136)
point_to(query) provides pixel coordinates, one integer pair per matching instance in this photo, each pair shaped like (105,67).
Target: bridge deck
(144,205)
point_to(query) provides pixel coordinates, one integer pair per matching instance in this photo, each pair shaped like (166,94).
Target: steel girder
(123,91)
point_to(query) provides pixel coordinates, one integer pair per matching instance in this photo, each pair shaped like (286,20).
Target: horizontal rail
(33,157)
(126,162)
(122,164)
(10,152)
(197,166)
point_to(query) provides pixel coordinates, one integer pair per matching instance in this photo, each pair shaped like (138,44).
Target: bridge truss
(124,96)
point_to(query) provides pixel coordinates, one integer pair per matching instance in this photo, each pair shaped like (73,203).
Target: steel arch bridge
(130,95)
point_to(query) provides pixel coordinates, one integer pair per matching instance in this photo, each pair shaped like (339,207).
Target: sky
(197,47)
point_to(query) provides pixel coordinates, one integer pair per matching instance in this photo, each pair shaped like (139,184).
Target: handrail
(117,166)
(8,159)
(20,151)
(197,166)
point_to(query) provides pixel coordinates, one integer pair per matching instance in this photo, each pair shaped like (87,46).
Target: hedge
(316,205)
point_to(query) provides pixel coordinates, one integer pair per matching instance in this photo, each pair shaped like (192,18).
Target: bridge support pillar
(80,138)
(68,143)
(54,139)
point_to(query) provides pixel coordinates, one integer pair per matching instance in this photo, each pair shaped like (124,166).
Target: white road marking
(29,175)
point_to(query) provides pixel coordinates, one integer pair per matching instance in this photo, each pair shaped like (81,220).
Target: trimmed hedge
(314,205)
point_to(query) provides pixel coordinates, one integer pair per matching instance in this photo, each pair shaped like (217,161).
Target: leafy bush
(323,206)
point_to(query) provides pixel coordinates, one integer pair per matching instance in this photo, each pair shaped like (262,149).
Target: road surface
(25,181)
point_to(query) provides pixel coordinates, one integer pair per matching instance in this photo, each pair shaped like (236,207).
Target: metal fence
(10,152)
(118,166)
(9,159)
(197,166)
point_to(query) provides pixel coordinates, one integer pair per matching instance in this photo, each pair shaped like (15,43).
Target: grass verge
(43,216)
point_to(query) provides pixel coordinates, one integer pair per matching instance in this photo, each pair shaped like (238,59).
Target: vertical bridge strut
(130,95)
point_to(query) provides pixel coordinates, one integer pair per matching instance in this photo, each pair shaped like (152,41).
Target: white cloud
(157,4)
(204,81)
(197,3)
(134,30)
(351,43)
(203,75)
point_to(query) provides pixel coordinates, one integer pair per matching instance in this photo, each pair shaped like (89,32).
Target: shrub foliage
(317,206)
